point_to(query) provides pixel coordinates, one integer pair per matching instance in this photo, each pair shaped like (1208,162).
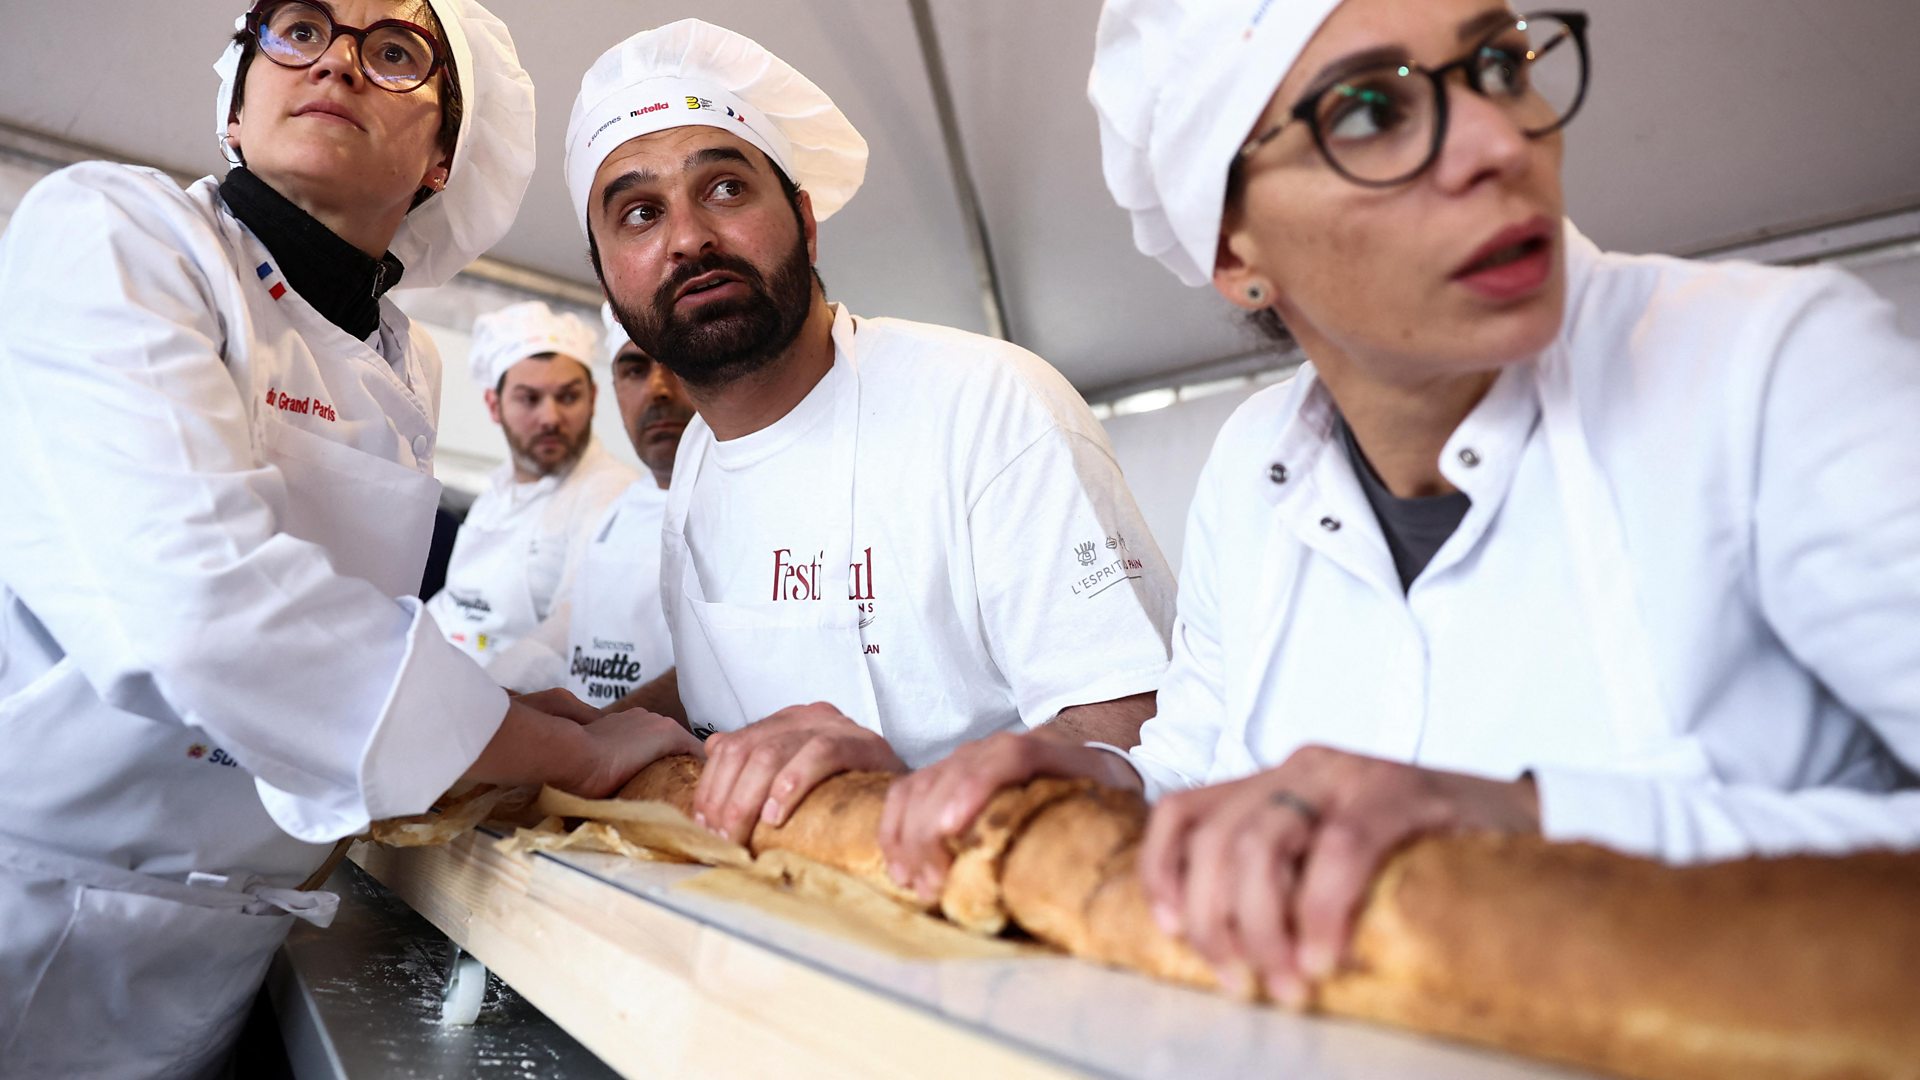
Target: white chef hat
(692,72)
(1178,85)
(503,338)
(492,159)
(615,337)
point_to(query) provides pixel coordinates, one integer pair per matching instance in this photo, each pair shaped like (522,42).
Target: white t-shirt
(607,634)
(1006,571)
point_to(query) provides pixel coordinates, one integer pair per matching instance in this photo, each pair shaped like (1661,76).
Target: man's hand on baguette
(1263,876)
(929,806)
(761,772)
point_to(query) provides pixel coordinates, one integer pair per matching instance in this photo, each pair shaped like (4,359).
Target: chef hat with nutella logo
(1178,86)
(503,338)
(694,73)
(492,153)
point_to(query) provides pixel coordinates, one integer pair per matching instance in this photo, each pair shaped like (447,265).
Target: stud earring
(1256,293)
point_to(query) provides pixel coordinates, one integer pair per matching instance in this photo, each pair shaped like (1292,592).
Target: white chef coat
(516,546)
(607,634)
(215,500)
(1686,597)
(953,494)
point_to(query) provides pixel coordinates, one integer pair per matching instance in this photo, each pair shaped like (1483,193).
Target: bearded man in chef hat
(883,539)
(547,355)
(525,530)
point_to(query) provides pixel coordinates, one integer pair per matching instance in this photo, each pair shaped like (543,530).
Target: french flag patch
(265,271)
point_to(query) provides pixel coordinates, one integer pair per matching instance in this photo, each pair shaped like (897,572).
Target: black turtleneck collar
(341,282)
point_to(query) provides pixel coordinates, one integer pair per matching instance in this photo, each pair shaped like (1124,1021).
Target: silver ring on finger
(1307,811)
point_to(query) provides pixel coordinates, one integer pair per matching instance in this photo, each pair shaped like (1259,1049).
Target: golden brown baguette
(670,780)
(1121,932)
(838,825)
(1794,967)
(971,896)
(1057,864)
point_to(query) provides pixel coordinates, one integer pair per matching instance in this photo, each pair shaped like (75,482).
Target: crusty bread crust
(1792,967)
(670,780)
(838,824)
(1059,862)
(972,895)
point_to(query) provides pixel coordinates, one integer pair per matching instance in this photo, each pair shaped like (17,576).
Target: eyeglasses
(1384,124)
(395,55)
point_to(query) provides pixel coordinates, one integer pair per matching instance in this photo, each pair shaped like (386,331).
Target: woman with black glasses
(1541,539)
(218,439)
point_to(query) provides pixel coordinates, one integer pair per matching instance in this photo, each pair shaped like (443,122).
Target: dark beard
(730,339)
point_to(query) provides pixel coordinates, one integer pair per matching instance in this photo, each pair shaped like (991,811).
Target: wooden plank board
(656,992)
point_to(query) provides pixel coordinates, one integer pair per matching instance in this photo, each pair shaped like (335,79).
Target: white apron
(739,663)
(106,972)
(617,636)
(488,601)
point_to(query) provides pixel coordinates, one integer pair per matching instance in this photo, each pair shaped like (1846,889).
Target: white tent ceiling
(1710,121)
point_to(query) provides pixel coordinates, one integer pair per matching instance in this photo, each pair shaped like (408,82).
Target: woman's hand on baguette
(761,772)
(560,702)
(1263,876)
(929,806)
(586,756)
(621,744)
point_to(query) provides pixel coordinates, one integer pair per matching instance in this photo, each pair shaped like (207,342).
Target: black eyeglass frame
(261,10)
(1307,109)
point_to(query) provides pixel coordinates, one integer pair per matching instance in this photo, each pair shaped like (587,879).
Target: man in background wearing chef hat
(524,531)
(607,634)
(884,539)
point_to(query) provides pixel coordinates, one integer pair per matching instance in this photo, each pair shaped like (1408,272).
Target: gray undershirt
(1415,528)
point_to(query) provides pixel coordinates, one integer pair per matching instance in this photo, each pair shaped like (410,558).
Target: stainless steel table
(361,999)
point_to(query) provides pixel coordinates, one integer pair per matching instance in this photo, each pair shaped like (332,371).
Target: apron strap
(199,890)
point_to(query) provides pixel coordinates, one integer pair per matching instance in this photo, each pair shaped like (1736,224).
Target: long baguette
(1790,968)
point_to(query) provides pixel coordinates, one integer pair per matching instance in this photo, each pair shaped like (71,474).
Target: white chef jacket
(215,500)
(1001,566)
(517,546)
(607,635)
(1686,597)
